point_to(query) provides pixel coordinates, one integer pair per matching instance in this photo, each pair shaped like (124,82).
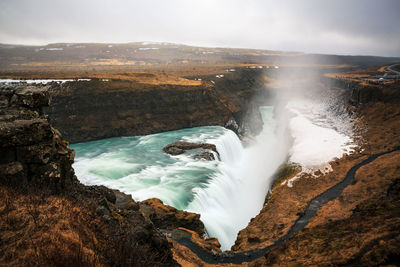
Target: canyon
(96,109)
(359,226)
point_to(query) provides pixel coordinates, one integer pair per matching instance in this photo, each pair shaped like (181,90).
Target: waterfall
(227,193)
(229,148)
(237,191)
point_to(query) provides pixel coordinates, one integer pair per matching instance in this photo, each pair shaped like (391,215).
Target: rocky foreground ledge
(48,218)
(32,151)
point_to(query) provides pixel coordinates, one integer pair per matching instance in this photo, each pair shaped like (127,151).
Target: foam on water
(319,136)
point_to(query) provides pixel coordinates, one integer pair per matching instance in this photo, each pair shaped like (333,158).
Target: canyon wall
(244,90)
(96,109)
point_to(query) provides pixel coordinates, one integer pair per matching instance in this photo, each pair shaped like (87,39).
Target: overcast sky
(368,27)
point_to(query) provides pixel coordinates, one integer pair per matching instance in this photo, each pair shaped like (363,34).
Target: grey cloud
(345,27)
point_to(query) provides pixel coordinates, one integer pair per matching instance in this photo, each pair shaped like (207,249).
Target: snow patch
(147,48)
(256,67)
(44,81)
(54,49)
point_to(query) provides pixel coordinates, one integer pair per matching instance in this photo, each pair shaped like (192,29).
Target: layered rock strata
(91,110)
(96,109)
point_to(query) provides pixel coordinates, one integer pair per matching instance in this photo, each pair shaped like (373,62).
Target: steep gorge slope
(96,109)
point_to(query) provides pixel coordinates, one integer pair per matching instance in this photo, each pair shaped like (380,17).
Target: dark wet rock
(181,147)
(233,126)
(124,201)
(205,155)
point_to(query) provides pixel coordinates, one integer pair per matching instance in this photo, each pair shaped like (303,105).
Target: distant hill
(149,55)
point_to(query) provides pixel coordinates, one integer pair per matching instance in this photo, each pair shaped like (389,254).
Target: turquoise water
(226,193)
(137,165)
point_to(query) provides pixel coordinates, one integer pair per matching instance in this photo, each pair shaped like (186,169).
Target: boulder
(181,147)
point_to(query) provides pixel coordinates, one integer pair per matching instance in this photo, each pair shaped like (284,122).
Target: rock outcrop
(47,217)
(90,110)
(243,91)
(32,152)
(168,218)
(205,155)
(180,147)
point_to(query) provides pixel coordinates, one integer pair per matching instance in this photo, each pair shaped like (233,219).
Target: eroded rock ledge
(31,150)
(168,218)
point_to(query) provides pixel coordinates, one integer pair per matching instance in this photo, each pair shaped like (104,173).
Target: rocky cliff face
(96,109)
(47,217)
(85,111)
(243,91)
(32,151)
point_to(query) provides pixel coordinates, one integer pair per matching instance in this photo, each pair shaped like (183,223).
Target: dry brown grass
(43,231)
(50,230)
(149,78)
